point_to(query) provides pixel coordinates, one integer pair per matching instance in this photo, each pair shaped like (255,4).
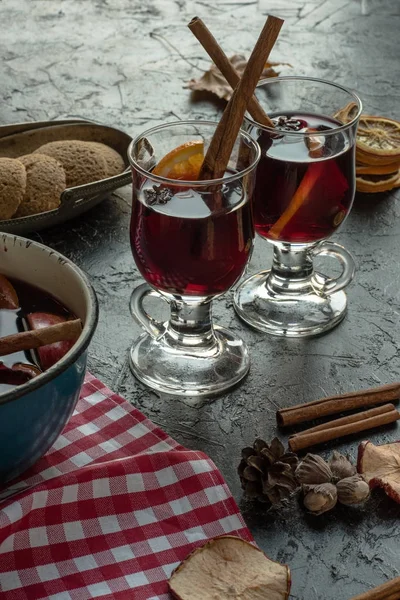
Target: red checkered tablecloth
(111,509)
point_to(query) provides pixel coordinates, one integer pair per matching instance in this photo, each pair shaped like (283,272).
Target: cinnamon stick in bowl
(36,338)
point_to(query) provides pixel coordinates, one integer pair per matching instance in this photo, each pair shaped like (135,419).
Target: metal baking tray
(24,138)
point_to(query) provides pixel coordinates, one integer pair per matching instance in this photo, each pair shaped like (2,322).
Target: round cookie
(82,163)
(45,182)
(12,186)
(114,161)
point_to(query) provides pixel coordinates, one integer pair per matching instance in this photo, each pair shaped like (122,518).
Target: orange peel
(182,163)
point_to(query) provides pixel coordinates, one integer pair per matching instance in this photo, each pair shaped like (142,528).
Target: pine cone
(267,472)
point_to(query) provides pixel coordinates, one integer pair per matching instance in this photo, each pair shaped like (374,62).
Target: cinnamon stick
(299,442)
(223,140)
(366,414)
(337,404)
(218,56)
(35,338)
(387,591)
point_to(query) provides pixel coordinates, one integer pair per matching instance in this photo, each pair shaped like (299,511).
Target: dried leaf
(214,82)
(226,568)
(380,466)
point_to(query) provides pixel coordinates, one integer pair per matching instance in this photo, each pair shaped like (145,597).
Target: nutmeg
(340,466)
(352,490)
(313,470)
(321,498)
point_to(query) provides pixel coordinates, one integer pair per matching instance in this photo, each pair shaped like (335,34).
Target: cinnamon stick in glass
(387,591)
(337,404)
(222,143)
(313,438)
(218,56)
(35,338)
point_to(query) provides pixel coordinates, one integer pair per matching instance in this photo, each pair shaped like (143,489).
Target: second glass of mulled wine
(191,241)
(304,190)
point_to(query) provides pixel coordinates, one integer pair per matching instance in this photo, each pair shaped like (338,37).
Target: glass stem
(190,324)
(292,269)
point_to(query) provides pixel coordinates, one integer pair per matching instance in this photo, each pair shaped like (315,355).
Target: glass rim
(272,80)
(193,184)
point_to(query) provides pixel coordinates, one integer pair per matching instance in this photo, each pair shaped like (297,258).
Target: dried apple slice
(380,467)
(8,295)
(228,567)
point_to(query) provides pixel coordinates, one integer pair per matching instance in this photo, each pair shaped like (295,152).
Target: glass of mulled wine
(304,190)
(191,241)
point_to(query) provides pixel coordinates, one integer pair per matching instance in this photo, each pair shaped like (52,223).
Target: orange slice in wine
(183,162)
(378,140)
(377,183)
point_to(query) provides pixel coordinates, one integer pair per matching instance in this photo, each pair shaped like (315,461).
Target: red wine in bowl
(184,246)
(305,184)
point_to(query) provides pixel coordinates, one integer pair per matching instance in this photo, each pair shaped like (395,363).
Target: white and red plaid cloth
(111,509)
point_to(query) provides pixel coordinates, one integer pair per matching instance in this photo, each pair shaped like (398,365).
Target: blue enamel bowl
(33,415)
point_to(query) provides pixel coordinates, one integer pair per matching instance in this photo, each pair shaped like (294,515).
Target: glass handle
(152,326)
(325,286)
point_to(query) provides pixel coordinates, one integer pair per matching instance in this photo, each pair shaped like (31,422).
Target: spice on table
(228,567)
(349,425)
(380,466)
(387,591)
(266,471)
(337,404)
(323,485)
(352,490)
(320,498)
(340,466)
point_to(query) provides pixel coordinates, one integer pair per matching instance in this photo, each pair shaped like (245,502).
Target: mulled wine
(23,307)
(305,183)
(183,245)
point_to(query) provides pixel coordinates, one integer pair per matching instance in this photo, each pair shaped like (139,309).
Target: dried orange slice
(378,140)
(377,183)
(183,162)
(377,169)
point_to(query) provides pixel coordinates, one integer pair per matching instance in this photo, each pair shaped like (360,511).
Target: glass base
(288,315)
(198,372)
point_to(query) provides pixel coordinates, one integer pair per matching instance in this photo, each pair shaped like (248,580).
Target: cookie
(45,182)
(12,186)
(82,162)
(114,161)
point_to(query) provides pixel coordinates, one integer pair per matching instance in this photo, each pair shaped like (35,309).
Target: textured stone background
(125,63)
